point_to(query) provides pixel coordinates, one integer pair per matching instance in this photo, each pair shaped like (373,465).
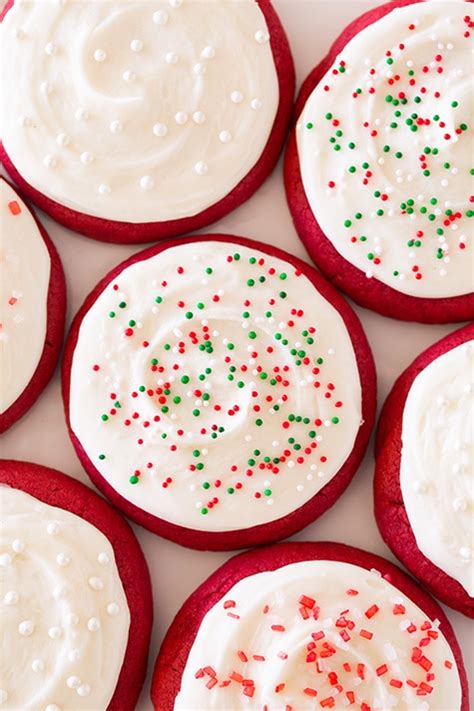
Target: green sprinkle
(112,314)
(309,125)
(252,335)
(335,420)
(204,511)
(268,492)
(196,412)
(104,418)
(101,456)
(133,479)
(122,304)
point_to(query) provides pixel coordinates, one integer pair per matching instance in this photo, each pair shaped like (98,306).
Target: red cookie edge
(137,233)
(57,489)
(390,512)
(297,519)
(174,652)
(56,319)
(369,293)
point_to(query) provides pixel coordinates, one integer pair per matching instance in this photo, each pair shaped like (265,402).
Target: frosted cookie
(130,121)
(218,391)
(378,170)
(32,307)
(424,469)
(304,626)
(76,606)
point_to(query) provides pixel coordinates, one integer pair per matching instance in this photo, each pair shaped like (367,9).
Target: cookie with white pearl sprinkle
(424,469)
(143,120)
(219,391)
(73,583)
(378,169)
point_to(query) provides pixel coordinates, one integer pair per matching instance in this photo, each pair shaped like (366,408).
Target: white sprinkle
(100,55)
(136,45)
(104,189)
(113,609)
(51,49)
(74,655)
(465,552)
(62,559)
(18,545)
(72,619)
(160,17)
(96,583)
(256,104)
(62,139)
(208,52)
(199,69)
(5,559)
(26,628)
(419,487)
(237,97)
(116,126)
(160,129)
(83,690)
(87,157)
(11,598)
(261,36)
(37,665)
(175,3)
(171,58)
(181,117)
(199,117)
(24,121)
(201,168)
(53,707)
(93,624)
(147,182)
(129,76)
(46,87)
(73,682)
(54,632)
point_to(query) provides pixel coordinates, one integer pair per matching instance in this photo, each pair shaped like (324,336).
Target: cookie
(299,626)
(218,391)
(136,121)
(32,307)
(424,478)
(378,168)
(74,584)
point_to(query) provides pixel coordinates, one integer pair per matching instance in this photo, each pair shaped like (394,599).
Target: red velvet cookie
(33,307)
(423,477)
(377,168)
(355,619)
(218,391)
(170,117)
(75,585)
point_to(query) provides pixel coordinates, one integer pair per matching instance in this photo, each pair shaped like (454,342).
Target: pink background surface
(41,435)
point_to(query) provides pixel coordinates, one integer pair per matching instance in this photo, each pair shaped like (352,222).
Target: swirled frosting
(436,469)
(318,634)
(136,111)
(214,387)
(25,267)
(385,147)
(62,605)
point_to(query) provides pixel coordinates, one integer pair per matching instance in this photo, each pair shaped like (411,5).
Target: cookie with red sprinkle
(299,626)
(77,608)
(219,391)
(378,168)
(32,307)
(424,478)
(137,122)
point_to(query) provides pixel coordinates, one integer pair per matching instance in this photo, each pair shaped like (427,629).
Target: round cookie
(171,116)
(74,583)
(306,625)
(423,476)
(32,307)
(218,391)
(377,168)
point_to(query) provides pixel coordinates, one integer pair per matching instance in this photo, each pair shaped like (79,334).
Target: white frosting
(270,599)
(436,469)
(166,423)
(377,194)
(63,611)
(25,268)
(136,111)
